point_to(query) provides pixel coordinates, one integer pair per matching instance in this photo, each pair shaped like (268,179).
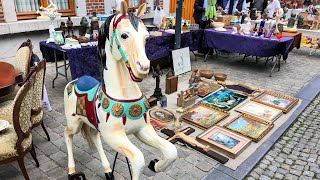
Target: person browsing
(236,7)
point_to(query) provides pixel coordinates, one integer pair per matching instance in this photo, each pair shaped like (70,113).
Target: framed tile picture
(224,141)
(261,111)
(249,126)
(276,100)
(206,88)
(161,115)
(204,116)
(224,99)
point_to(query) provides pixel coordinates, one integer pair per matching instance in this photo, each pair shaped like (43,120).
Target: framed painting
(261,111)
(224,141)
(157,125)
(206,88)
(161,115)
(224,99)
(240,88)
(204,116)
(249,126)
(181,61)
(276,100)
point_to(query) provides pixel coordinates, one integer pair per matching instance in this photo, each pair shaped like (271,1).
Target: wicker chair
(36,104)
(16,141)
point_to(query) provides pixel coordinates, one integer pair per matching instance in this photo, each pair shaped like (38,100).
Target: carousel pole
(177,36)
(158,4)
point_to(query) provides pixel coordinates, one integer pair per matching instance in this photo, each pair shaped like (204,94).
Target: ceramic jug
(58,38)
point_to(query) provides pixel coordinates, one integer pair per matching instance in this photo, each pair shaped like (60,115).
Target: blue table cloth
(248,45)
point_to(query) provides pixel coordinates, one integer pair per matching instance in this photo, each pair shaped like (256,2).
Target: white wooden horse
(120,108)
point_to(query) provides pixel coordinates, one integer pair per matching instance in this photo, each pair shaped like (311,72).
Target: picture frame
(224,141)
(276,100)
(261,111)
(206,88)
(161,115)
(224,99)
(240,88)
(249,126)
(181,60)
(204,116)
(157,125)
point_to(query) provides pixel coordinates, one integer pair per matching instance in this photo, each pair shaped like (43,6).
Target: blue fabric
(86,83)
(247,45)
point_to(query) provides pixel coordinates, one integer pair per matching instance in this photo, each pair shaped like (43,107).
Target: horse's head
(124,35)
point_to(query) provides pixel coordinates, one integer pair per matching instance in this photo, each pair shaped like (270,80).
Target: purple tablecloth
(246,44)
(83,61)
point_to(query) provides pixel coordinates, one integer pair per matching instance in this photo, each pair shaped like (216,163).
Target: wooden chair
(16,140)
(36,104)
(23,58)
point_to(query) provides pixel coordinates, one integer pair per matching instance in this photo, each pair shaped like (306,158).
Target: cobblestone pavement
(298,71)
(296,155)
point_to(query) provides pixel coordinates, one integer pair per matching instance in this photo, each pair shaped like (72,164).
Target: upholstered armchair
(23,58)
(36,103)
(16,140)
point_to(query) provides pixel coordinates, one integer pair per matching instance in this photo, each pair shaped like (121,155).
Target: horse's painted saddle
(88,91)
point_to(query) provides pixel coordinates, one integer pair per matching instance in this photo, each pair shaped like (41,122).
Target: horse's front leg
(114,135)
(149,136)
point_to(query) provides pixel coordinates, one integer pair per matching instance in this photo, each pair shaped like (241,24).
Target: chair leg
(44,128)
(34,155)
(23,168)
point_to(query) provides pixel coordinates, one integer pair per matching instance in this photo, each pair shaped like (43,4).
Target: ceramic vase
(58,38)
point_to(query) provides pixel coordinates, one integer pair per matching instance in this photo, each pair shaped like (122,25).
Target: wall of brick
(1,12)
(95,6)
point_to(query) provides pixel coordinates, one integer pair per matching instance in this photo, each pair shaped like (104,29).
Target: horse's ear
(124,8)
(142,9)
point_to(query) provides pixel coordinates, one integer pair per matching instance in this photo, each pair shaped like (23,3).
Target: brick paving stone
(47,166)
(175,172)
(162,176)
(206,167)
(279,176)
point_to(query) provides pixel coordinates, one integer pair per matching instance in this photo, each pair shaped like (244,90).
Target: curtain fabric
(27,5)
(134,3)
(62,4)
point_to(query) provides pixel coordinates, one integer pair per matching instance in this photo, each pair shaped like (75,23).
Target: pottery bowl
(220,77)
(83,39)
(206,73)
(218,24)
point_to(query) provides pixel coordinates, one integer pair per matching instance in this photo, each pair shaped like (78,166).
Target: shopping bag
(158,15)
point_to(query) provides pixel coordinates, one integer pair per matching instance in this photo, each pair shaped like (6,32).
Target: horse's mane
(104,35)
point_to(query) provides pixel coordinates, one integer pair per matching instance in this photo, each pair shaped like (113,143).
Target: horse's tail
(86,133)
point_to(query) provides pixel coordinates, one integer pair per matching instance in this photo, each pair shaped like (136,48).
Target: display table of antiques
(227,121)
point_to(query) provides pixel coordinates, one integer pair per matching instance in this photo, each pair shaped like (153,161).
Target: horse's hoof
(152,165)
(109,176)
(77,176)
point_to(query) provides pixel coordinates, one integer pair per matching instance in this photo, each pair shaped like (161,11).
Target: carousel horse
(118,107)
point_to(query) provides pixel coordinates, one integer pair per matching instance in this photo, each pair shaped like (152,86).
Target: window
(26,9)
(134,4)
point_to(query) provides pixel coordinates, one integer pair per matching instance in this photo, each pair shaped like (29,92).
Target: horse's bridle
(114,36)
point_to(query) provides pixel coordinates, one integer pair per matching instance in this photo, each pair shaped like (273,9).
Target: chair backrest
(22,112)
(37,88)
(23,58)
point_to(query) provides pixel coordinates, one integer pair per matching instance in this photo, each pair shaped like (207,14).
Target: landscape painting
(249,126)
(224,140)
(224,99)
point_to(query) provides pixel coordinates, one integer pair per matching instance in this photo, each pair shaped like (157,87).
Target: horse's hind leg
(148,136)
(95,137)
(73,127)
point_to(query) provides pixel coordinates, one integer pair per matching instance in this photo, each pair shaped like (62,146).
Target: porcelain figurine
(292,21)
(234,30)
(300,22)
(84,25)
(241,31)
(116,108)
(279,15)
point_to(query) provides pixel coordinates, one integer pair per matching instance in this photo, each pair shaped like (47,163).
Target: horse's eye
(124,36)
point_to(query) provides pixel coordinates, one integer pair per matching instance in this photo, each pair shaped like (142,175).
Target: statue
(292,20)
(70,27)
(279,15)
(63,28)
(300,22)
(156,73)
(84,25)
(94,22)
(43,11)
(117,108)
(285,10)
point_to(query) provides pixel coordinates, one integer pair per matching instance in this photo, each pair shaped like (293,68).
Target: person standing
(200,7)
(236,7)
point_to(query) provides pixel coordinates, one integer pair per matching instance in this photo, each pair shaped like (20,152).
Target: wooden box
(225,19)
(171,84)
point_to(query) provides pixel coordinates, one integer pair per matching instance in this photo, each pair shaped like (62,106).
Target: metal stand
(277,63)
(65,65)
(114,164)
